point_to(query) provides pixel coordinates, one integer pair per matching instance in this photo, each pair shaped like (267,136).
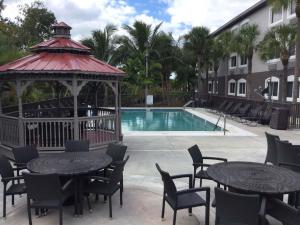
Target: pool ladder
(224,127)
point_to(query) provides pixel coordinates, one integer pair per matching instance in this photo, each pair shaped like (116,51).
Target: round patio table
(255,177)
(71,164)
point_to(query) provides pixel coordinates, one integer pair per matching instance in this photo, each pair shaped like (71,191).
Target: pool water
(164,120)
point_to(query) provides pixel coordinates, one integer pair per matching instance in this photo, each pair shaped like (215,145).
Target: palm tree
(226,41)
(140,43)
(216,55)
(102,43)
(278,4)
(197,41)
(279,40)
(245,44)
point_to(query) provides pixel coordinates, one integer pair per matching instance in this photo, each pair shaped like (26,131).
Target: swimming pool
(164,120)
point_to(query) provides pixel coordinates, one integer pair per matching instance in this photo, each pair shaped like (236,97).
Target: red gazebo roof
(60,55)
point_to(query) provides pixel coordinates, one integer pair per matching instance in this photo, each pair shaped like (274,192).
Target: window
(276,16)
(243,61)
(231,87)
(292,9)
(273,84)
(210,86)
(290,84)
(241,88)
(245,23)
(233,62)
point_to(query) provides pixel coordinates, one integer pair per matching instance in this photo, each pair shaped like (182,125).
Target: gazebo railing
(9,131)
(51,133)
(98,129)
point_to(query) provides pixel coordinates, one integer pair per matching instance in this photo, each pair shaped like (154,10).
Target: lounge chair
(235,108)
(227,108)
(242,111)
(219,108)
(253,114)
(263,117)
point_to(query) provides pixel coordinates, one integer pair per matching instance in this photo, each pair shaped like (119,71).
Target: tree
(139,44)
(245,45)
(278,4)
(35,23)
(102,43)
(1,8)
(197,41)
(279,40)
(226,40)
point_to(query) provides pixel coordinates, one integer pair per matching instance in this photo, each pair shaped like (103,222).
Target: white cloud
(87,15)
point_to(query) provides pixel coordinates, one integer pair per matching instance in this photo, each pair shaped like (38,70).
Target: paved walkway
(143,186)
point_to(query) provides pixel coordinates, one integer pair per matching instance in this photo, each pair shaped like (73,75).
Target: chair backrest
(283,212)
(117,174)
(236,108)
(6,169)
(25,154)
(233,208)
(77,146)
(41,187)
(196,154)
(223,104)
(169,186)
(256,110)
(272,148)
(287,154)
(116,151)
(245,109)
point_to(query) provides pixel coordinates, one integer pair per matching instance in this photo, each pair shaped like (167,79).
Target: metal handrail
(224,125)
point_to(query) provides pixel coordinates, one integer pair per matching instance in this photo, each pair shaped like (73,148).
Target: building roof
(240,17)
(60,55)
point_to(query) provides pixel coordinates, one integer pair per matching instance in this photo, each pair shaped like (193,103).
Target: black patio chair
(44,191)
(23,155)
(107,186)
(294,198)
(183,199)
(77,146)
(10,188)
(272,149)
(116,152)
(283,212)
(240,209)
(287,154)
(198,161)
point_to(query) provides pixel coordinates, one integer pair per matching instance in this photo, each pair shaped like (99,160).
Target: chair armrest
(215,158)
(193,190)
(6,179)
(67,185)
(289,165)
(99,178)
(283,212)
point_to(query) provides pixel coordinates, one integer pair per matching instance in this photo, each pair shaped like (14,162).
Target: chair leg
(163,207)
(200,182)
(12,200)
(60,215)
(4,205)
(88,203)
(97,197)
(207,214)
(110,207)
(29,212)
(121,198)
(190,211)
(174,217)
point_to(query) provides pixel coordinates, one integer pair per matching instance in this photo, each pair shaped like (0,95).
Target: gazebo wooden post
(75,106)
(20,109)
(1,91)
(117,121)
(119,112)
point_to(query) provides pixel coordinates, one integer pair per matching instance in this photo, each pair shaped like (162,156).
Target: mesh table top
(255,177)
(69,163)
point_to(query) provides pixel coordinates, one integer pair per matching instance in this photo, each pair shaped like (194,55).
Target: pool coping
(232,130)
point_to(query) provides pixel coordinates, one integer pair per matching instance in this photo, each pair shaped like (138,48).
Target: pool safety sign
(149,100)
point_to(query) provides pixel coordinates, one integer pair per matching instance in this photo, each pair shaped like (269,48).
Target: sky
(178,16)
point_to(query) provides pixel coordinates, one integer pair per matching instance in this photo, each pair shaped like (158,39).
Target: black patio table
(255,177)
(71,164)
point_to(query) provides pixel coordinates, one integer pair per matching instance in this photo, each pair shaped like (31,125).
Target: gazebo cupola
(70,63)
(61,30)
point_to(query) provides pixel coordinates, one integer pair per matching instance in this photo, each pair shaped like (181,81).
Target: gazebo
(49,125)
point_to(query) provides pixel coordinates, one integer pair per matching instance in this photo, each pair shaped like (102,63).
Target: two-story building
(263,73)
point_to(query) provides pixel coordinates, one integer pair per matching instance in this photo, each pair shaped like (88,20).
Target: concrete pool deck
(143,186)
